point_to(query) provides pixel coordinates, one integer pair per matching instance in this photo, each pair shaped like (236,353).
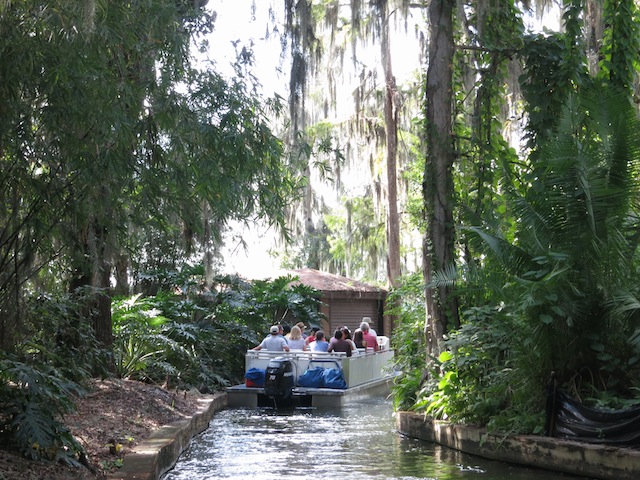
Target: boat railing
(357,370)
(362,369)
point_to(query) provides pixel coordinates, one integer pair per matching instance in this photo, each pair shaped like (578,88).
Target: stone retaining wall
(589,460)
(159,453)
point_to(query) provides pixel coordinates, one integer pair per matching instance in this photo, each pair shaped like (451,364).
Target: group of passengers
(364,339)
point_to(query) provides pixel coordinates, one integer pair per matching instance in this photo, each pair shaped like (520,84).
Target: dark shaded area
(570,419)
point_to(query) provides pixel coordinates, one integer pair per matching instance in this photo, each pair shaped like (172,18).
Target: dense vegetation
(518,164)
(545,276)
(556,292)
(121,157)
(123,160)
(185,336)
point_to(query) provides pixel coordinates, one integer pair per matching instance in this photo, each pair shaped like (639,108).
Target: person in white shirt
(274,342)
(296,342)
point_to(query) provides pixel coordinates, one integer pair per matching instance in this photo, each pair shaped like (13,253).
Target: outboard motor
(279,379)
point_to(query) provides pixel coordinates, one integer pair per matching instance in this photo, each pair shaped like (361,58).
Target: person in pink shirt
(370,338)
(311,338)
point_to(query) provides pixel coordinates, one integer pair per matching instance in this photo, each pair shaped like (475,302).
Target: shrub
(486,376)
(406,305)
(200,340)
(32,402)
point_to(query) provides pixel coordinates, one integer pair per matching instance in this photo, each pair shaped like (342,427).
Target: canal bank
(159,453)
(577,458)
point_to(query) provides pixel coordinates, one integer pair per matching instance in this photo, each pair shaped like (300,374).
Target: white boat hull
(365,375)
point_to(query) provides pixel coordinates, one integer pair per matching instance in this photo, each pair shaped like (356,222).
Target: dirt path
(121,410)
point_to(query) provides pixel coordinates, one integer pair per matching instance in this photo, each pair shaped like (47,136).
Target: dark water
(353,443)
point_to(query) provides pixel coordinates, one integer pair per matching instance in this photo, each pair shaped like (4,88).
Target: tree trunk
(121,273)
(102,320)
(394,269)
(93,271)
(441,307)
(391,123)
(10,311)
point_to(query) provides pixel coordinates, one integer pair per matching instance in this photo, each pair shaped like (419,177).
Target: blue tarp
(312,378)
(256,375)
(334,378)
(319,377)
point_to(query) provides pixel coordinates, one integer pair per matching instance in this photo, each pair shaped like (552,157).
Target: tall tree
(353,106)
(391,99)
(441,305)
(115,140)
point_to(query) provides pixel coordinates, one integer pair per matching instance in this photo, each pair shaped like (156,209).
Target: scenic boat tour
(313,379)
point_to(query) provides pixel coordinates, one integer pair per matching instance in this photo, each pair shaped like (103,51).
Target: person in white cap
(274,342)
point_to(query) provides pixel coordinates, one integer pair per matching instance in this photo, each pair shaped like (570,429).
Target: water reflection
(355,442)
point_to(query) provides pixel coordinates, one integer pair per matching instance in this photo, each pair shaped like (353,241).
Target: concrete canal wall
(160,452)
(596,461)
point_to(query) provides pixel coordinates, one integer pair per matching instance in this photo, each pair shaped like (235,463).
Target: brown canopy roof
(328,282)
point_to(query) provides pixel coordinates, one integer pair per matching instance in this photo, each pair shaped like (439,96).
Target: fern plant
(32,404)
(574,253)
(138,337)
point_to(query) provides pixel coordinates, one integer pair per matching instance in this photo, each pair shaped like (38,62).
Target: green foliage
(32,401)
(60,337)
(200,340)
(621,39)
(351,239)
(318,147)
(406,305)
(550,77)
(117,147)
(314,251)
(357,237)
(412,175)
(447,399)
(282,300)
(482,93)
(483,377)
(164,338)
(138,338)
(39,380)
(557,277)
(187,279)
(574,250)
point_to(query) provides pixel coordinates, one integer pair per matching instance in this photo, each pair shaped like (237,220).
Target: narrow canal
(356,442)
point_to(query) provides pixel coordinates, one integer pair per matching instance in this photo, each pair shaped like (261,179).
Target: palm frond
(514,259)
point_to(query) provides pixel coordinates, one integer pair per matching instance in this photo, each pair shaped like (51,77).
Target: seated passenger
(296,342)
(274,342)
(358,340)
(367,320)
(346,334)
(302,328)
(312,338)
(370,338)
(339,344)
(320,345)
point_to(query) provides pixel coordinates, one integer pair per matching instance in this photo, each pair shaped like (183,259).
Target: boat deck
(368,374)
